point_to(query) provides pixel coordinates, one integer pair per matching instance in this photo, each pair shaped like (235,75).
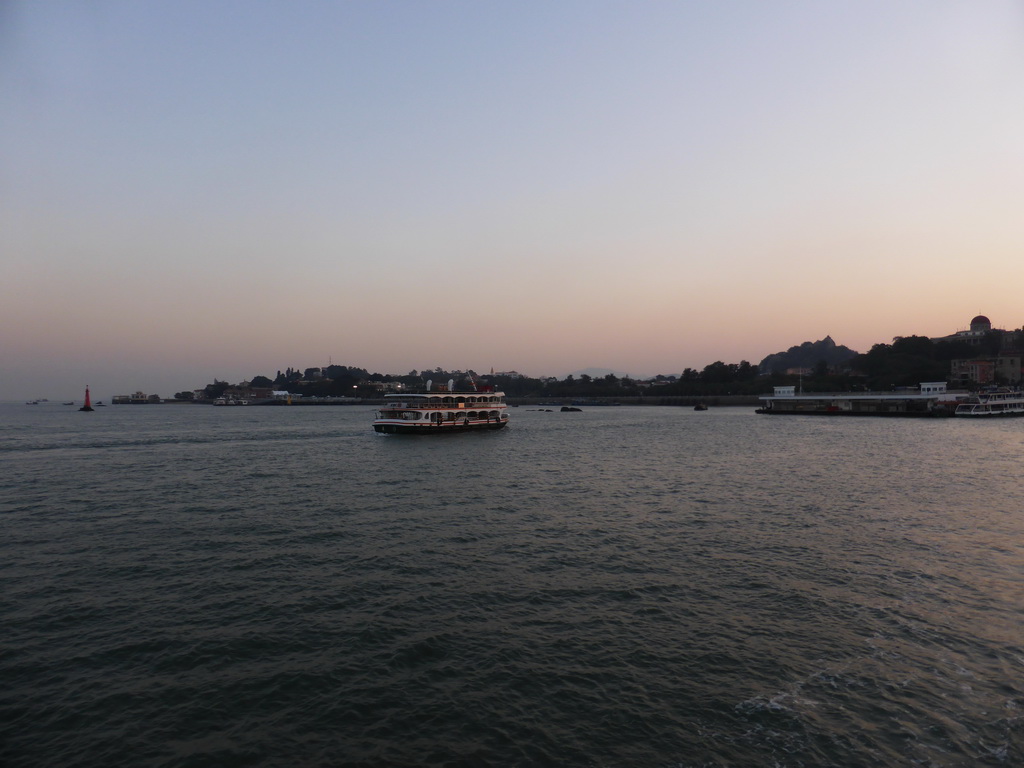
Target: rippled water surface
(627,586)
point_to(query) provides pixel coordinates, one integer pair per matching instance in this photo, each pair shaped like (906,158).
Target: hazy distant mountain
(807,355)
(597,373)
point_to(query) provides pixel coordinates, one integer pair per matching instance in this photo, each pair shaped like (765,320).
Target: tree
(215,390)
(992,343)
(913,345)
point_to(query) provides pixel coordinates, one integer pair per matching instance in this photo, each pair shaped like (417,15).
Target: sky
(198,190)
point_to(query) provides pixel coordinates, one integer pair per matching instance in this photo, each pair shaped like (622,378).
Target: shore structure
(139,398)
(88,401)
(929,399)
(441,410)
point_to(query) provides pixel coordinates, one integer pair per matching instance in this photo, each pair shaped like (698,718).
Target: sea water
(625,586)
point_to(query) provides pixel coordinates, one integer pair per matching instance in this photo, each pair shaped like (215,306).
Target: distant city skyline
(197,190)
(47,390)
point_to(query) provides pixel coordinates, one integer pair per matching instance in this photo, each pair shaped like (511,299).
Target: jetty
(928,399)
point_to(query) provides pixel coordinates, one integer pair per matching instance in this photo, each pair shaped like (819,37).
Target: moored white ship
(1002,402)
(442,409)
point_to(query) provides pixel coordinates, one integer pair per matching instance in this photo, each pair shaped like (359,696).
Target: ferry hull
(979,414)
(400,428)
(837,412)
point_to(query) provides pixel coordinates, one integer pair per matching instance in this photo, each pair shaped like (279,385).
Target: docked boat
(1002,402)
(441,410)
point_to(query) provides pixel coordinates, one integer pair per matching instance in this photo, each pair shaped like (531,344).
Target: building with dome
(999,357)
(981,324)
(979,328)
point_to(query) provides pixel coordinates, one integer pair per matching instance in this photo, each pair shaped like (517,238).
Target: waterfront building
(931,398)
(1002,364)
(139,398)
(1000,369)
(975,335)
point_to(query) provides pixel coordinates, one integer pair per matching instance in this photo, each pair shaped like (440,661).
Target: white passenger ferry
(442,409)
(1002,402)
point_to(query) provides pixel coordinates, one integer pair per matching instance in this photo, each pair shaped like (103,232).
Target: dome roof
(981,320)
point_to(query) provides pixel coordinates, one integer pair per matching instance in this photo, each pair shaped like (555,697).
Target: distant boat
(700,407)
(88,405)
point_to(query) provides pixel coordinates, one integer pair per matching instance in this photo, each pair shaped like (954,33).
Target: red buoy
(88,402)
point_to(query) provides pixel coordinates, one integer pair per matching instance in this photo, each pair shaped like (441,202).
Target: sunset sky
(191,190)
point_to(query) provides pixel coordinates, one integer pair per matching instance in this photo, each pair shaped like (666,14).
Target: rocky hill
(808,355)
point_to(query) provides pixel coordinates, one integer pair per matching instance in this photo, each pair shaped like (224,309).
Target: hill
(808,355)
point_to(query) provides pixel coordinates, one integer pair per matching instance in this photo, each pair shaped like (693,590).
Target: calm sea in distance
(621,587)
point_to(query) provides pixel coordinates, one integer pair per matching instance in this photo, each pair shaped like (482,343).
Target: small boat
(700,407)
(1001,402)
(441,410)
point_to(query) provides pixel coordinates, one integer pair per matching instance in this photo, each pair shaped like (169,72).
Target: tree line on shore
(907,361)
